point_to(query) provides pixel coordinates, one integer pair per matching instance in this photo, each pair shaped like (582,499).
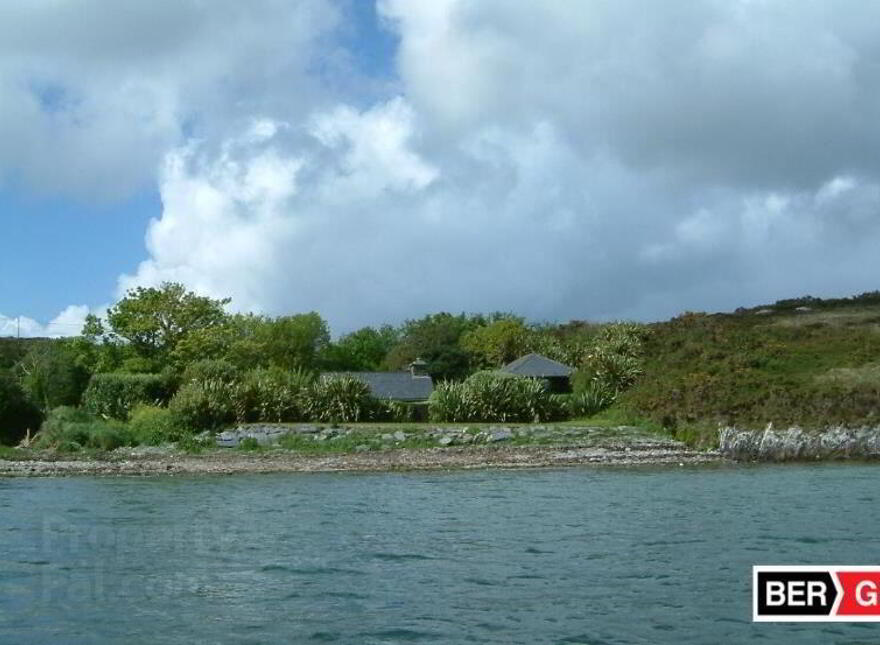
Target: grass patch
(249,444)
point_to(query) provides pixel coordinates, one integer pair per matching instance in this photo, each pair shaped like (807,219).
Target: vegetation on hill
(807,362)
(165,363)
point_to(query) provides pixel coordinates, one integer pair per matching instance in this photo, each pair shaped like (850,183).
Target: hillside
(804,361)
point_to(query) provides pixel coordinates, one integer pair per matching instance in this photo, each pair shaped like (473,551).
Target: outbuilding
(556,374)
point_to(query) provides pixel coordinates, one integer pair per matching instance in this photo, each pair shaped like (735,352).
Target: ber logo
(815,593)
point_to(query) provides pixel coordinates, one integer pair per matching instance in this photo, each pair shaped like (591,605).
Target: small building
(556,374)
(412,386)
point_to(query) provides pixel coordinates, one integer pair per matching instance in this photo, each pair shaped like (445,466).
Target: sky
(610,159)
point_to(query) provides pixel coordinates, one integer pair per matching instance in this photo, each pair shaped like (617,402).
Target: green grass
(10,453)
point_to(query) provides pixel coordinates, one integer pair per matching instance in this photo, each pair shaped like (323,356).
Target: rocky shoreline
(372,449)
(797,444)
(622,450)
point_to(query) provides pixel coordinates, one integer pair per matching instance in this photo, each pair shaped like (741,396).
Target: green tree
(361,350)
(17,413)
(498,343)
(435,339)
(154,320)
(292,342)
(51,376)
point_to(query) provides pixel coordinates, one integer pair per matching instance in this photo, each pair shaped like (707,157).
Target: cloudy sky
(597,159)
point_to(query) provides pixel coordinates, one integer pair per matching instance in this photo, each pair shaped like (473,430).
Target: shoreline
(226,462)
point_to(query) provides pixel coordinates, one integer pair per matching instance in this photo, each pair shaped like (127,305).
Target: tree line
(167,330)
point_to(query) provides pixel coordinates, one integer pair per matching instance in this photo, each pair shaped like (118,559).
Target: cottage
(412,386)
(557,375)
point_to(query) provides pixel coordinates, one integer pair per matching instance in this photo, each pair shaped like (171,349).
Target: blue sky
(62,249)
(58,250)
(379,161)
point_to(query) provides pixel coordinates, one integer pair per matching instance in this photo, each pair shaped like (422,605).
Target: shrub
(612,371)
(490,396)
(590,400)
(138,365)
(207,405)
(210,369)
(613,364)
(51,376)
(17,414)
(449,402)
(249,444)
(275,394)
(152,425)
(68,429)
(114,395)
(339,399)
(400,411)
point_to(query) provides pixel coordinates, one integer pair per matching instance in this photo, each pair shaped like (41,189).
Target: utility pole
(18,326)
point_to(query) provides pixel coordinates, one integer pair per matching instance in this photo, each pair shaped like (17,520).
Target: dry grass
(863,317)
(850,376)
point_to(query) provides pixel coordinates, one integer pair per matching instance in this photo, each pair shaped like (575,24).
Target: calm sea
(549,556)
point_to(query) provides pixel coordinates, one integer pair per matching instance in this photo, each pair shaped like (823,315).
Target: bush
(115,395)
(138,365)
(17,414)
(612,365)
(153,426)
(490,396)
(69,430)
(339,399)
(590,400)
(249,444)
(450,402)
(207,405)
(51,376)
(210,370)
(400,411)
(275,394)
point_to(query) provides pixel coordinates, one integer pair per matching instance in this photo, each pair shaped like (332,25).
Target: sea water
(580,555)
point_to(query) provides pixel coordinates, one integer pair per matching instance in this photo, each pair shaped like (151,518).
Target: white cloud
(67,323)
(95,93)
(602,159)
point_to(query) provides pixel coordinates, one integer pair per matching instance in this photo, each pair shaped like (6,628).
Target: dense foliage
(115,395)
(51,376)
(209,404)
(17,413)
(812,367)
(339,399)
(490,396)
(70,429)
(165,363)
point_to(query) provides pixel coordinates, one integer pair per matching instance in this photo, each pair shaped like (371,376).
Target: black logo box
(814,605)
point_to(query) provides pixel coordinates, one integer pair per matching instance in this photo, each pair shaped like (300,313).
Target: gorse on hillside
(804,361)
(179,362)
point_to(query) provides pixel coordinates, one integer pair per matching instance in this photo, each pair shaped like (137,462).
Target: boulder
(504,434)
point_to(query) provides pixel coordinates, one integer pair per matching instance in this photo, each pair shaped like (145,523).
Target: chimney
(418,368)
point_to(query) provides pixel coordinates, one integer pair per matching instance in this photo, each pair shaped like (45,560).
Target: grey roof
(399,386)
(537,366)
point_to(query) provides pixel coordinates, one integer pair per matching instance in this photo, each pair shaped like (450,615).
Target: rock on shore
(498,455)
(797,444)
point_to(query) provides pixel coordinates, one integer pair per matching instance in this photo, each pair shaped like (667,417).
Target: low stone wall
(794,444)
(390,436)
